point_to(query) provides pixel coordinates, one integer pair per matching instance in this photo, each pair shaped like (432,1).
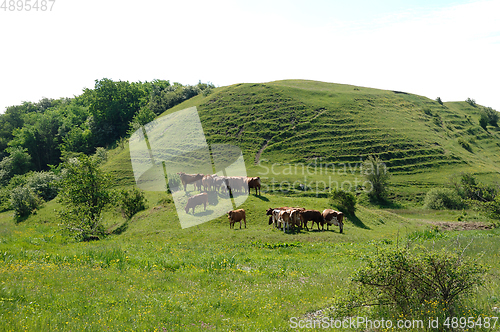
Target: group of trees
(38,139)
(34,136)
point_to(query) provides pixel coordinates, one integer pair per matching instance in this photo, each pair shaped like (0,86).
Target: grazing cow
(237,184)
(235,216)
(254,183)
(274,215)
(195,200)
(219,182)
(194,179)
(284,217)
(207,182)
(333,217)
(313,215)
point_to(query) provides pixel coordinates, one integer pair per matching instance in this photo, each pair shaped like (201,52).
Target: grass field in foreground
(156,276)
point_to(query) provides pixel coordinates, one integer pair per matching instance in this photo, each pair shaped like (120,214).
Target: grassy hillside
(155,276)
(296,123)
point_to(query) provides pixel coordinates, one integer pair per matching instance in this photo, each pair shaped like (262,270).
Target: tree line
(36,136)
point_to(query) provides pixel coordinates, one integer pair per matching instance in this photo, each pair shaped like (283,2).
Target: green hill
(300,122)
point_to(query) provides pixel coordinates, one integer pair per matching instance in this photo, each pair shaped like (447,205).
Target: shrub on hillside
(375,172)
(443,198)
(463,143)
(131,202)
(471,102)
(24,201)
(44,184)
(413,281)
(483,120)
(492,116)
(438,99)
(345,201)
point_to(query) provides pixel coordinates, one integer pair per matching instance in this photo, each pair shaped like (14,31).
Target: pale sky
(449,49)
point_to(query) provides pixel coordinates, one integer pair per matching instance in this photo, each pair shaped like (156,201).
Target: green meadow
(151,275)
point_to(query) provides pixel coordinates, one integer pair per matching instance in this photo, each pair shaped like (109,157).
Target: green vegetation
(313,139)
(345,201)
(414,282)
(377,176)
(131,202)
(442,198)
(84,194)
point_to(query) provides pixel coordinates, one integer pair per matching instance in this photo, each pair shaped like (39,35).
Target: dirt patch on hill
(461,226)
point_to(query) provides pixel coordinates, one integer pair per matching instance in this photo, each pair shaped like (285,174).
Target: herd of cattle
(286,217)
(215,182)
(282,217)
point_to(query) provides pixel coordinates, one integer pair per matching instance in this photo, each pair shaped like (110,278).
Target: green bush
(409,280)
(24,201)
(483,120)
(375,172)
(492,116)
(471,102)
(44,184)
(443,198)
(131,202)
(343,200)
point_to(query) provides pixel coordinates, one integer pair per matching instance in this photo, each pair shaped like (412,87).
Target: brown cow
(254,183)
(194,179)
(195,200)
(235,216)
(207,182)
(333,217)
(313,215)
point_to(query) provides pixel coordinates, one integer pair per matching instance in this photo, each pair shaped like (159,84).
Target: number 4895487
(27,5)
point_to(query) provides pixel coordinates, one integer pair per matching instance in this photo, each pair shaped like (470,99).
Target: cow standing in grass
(333,217)
(235,216)
(311,215)
(194,179)
(196,200)
(254,183)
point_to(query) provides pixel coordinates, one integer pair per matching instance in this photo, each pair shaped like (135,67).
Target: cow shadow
(262,198)
(204,213)
(356,221)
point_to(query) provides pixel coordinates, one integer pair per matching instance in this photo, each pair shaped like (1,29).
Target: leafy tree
(19,162)
(376,173)
(84,194)
(113,105)
(141,118)
(438,99)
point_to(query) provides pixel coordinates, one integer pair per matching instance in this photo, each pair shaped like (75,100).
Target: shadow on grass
(356,221)
(19,219)
(120,229)
(262,198)
(385,203)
